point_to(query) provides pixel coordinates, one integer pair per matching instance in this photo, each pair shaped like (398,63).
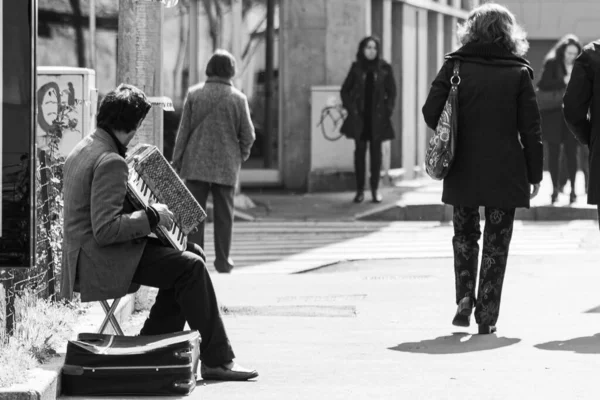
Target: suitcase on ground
(98,364)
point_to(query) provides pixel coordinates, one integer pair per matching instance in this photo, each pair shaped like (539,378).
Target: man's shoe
(572,198)
(486,329)
(360,197)
(223,373)
(554,197)
(377,197)
(224,267)
(463,313)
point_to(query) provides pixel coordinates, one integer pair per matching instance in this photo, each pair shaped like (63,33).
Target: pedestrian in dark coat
(368,95)
(499,153)
(582,111)
(555,77)
(214,139)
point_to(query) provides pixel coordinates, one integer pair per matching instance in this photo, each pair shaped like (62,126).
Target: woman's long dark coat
(384,98)
(553,123)
(499,148)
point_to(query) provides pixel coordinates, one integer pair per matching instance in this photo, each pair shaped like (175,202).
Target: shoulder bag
(442,146)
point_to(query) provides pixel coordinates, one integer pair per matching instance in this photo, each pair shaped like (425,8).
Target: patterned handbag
(442,146)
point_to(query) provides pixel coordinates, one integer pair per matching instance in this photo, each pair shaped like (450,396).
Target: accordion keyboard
(145,196)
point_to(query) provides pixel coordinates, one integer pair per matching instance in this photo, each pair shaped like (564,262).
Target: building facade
(546,21)
(318,43)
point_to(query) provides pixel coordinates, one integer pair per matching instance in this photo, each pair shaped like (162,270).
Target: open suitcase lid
(121,345)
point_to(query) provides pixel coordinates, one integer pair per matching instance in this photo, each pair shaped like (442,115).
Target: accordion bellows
(147,162)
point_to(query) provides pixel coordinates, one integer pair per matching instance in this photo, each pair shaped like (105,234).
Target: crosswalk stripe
(289,247)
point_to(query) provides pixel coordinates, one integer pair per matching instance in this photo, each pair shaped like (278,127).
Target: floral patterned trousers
(496,241)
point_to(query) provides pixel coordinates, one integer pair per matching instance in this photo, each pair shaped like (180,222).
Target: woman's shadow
(582,345)
(457,343)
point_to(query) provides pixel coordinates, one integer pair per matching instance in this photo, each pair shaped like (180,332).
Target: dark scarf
(489,53)
(369,65)
(121,148)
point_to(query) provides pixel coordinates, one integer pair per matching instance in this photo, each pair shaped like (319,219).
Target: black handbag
(442,146)
(97,365)
(549,99)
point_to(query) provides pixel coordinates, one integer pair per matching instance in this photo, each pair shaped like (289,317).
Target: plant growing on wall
(49,190)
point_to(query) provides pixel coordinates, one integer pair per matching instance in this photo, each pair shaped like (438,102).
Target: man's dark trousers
(185,294)
(223,196)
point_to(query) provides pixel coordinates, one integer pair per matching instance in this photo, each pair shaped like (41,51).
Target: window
(17,49)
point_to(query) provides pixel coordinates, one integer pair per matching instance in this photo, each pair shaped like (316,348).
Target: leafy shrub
(41,328)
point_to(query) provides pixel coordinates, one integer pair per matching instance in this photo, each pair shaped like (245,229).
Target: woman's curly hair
(493,23)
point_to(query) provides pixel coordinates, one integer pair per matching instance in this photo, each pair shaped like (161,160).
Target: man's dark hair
(221,65)
(123,109)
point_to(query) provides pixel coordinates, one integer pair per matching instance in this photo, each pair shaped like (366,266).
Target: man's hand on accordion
(165,216)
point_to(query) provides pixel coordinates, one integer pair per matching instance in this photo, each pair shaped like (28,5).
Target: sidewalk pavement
(406,200)
(382,330)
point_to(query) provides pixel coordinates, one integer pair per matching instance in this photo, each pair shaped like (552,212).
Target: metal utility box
(65,96)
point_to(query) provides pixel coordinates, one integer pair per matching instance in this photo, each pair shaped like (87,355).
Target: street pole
(236,36)
(140,60)
(92,34)
(194,43)
(267,146)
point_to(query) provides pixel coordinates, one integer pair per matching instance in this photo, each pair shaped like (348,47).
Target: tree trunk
(178,90)
(80,40)
(213,22)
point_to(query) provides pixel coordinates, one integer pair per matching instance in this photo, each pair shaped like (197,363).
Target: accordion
(153,180)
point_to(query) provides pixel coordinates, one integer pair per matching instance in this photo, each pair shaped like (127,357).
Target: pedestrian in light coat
(368,95)
(214,139)
(499,154)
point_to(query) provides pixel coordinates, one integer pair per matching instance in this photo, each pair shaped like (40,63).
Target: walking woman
(499,153)
(555,78)
(368,94)
(215,136)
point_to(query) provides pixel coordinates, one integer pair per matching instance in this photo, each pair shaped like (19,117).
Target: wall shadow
(457,343)
(582,345)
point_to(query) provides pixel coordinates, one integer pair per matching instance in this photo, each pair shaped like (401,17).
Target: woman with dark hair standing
(368,95)
(555,77)
(214,139)
(499,153)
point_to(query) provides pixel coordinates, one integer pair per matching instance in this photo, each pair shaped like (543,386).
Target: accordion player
(153,180)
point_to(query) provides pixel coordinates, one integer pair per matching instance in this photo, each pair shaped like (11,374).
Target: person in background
(215,137)
(582,112)
(556,74)
(368,95)
(499,153)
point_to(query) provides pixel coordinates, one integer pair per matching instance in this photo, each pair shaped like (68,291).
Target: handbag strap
(455,79)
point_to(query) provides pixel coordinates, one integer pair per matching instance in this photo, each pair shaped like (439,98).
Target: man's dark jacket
(582,111)
(104,238)
(499,149)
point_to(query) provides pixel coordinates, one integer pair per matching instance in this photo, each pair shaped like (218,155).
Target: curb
(443,213)
(44,381)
